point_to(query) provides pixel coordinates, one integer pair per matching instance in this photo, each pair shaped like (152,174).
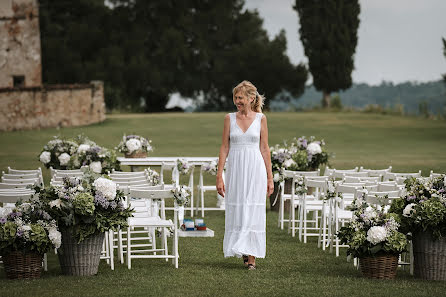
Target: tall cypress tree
(444,53)
(328,31)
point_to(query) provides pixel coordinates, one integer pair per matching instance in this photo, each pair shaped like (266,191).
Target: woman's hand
(270,187)
(220,186)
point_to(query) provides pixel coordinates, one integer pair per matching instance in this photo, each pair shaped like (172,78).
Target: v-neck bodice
(250,138)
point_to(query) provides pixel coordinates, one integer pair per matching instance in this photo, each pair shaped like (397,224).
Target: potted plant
(422,211)
(57,153)
(26,233)
(84,207)
(134,146)
(373,236)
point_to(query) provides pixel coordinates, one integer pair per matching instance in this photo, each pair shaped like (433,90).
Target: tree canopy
(328,31)
(145,50)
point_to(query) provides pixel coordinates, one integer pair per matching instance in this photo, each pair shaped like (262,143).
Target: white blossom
(276,177)
(288,163)
(96,167)
(83,148)
(55,203)
(45,157)
(106,187)
(314,148)
(133,144)
(370,213)
(376,234)
(26,228)
(64,159)
(55,237)
(409,210)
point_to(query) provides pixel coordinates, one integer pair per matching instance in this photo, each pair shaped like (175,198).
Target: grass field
(291,268)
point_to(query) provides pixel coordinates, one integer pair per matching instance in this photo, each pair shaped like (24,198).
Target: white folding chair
(152,221)
(17,176)
(330,171)
(202,188)
(289,174)
(376,172)
(432,174)
(67,172)
(394,175)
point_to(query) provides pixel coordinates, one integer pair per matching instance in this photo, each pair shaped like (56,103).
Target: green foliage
(146,50)
(423,207)
(336,102)
(328,31)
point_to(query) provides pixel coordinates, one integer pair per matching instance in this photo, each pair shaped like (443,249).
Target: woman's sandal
(251,266)
(245,260)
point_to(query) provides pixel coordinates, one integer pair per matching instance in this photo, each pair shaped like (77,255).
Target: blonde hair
(251,91)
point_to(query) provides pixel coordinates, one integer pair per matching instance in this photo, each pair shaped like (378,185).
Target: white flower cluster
(55,236)
(314,148)
(45,157)
(83,148)
(96,166)
(183,166)
(106,187)
(289,162)
(64,158)
(300,187)
(181,195)
(153,177)
(409,210)
(376,234)
(210,167)
(133,145)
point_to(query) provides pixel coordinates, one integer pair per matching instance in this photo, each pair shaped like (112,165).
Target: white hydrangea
(96,167)
(106,187)
(376,234)
(288,163)
(409,210)
(83,148)
(276,177)
(314,148)
(45,157)
(55,237)
(64,159)
(133,144)
(55,203)
(370,213)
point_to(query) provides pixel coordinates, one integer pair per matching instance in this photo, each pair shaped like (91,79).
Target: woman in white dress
(248,176)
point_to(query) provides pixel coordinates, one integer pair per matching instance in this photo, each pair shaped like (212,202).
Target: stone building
(24,102)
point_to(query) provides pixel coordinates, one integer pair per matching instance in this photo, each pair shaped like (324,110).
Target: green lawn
(291,268)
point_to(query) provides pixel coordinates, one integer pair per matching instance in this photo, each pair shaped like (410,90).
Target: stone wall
(20,43)
(51,106)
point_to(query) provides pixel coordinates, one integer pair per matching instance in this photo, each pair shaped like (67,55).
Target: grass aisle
(291,268)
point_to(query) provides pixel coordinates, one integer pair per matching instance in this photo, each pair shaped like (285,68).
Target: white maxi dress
(246,186)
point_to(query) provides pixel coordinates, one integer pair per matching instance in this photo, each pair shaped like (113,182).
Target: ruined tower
(20,54)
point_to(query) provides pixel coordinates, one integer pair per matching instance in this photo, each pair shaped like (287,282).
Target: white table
(153,161)
(202,233)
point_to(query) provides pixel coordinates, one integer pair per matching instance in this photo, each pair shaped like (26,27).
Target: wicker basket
(429,256)
(137,154)
(80,258)
(379,267)
(20,265)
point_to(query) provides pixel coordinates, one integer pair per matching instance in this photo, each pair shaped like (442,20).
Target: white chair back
(13,198)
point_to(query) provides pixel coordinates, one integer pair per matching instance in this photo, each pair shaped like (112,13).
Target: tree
(328,31)
(444,53)
(145,50)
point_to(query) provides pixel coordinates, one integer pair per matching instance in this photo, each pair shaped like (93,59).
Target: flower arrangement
(57,153)
(300,187)
(153,177)
(28,228)
(181,195)
(210,167)
(183,166)
(98,159)
(423,207)
(279,155)
(133,144)
(88,205)
(372,232)
(306,154)
(331,193)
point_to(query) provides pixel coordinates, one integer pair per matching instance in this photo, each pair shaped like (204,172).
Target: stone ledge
(48,87)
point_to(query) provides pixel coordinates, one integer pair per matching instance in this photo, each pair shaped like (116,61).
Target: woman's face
(242,101)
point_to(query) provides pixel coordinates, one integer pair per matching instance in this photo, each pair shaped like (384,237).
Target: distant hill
(387,94)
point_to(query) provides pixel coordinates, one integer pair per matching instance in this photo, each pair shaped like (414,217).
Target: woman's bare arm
(224,150)
(264,149)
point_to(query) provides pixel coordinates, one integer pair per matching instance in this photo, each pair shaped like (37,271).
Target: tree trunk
(326,100)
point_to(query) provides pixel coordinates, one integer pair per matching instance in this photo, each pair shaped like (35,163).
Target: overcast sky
(398,40)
